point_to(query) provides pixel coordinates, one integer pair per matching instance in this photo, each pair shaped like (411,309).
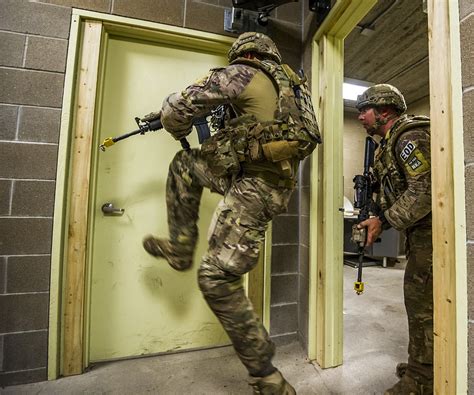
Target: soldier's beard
(375,127)
(371,130)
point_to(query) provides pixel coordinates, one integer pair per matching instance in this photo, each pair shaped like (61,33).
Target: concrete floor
(375,340)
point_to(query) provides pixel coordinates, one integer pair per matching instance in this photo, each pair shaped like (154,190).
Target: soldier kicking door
(138,304)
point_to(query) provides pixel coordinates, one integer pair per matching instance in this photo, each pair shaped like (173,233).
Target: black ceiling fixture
(321,8)
(252,15)
(262,7)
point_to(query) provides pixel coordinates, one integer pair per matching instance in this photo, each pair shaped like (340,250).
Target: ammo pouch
(226,149)
(281,152)
(245,140)
(219,154)
(276,151)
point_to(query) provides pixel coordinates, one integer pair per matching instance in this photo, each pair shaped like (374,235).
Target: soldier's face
(368,119)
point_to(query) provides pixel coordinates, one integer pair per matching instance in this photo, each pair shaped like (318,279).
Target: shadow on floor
(375,340)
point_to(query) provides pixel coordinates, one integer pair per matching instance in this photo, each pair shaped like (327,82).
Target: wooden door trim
(89,31)
(325,333)
(81,154)
(448,194)
(448,199)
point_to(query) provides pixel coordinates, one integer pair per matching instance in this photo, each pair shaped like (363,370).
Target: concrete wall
(466,15)
(420,107)
(354,144)
(33,45)
(303,251)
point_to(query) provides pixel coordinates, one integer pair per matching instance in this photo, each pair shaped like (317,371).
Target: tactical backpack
(293,134)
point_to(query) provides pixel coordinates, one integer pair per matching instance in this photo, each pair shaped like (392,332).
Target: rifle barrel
(124,136)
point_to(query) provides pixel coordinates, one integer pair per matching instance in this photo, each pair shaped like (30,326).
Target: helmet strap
(381,120)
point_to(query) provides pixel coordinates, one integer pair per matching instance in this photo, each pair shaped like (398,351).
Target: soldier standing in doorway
(252,160)
(403,171)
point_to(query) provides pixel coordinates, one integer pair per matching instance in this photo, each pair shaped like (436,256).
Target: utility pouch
(276,151)
(220,155)
(359,236)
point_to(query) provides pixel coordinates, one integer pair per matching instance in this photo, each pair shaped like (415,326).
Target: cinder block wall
(466,16)
(33,46)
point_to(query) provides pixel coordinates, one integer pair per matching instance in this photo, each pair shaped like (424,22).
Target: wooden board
(79,196)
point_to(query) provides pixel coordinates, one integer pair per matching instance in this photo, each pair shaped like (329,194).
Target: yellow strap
(295,79)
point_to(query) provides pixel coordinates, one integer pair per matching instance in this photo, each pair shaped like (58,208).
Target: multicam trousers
(418,290)
(235,237)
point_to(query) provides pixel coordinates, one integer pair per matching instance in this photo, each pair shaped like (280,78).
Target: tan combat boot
(409,386)
(179,258)
(401,369)
(273,384)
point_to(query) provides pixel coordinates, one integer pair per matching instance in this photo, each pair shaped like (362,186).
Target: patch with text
(417,163)
(414,163)
(409,148)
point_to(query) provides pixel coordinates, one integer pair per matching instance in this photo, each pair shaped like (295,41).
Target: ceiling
(390,45)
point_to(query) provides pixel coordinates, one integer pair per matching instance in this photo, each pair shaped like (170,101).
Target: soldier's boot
(273,384)
(409,386)
(401,369)
(179,257)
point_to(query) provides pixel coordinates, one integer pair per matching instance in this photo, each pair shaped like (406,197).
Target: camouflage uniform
(251,198)
(235,237)
(402,168)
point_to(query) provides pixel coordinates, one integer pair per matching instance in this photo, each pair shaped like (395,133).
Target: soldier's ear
(385,111)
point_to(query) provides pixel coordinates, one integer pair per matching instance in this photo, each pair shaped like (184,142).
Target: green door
(138,305)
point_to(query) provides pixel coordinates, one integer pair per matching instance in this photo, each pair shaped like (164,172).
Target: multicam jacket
(236,84)
(403,170)
(261,95)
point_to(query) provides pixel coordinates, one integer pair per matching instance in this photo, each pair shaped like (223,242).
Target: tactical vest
(292,135)
(388,172)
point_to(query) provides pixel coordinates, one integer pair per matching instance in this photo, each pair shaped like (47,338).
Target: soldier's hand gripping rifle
(152,122)
(363,191)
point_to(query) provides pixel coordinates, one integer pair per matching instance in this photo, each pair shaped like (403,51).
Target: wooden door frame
(74,182)
(325,335)
(448,192)
(448,199)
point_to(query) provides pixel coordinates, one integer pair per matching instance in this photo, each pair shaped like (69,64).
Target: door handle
(109,209)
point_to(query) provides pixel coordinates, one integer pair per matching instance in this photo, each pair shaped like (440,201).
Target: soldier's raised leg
(187,176)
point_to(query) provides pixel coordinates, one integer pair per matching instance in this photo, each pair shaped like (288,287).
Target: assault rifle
(363,191)
(152,122)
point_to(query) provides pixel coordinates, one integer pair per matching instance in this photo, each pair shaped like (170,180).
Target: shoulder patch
(414,163)
(417,163)
(407,150)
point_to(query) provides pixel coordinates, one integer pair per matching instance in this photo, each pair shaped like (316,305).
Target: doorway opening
(389,45)
(327,191)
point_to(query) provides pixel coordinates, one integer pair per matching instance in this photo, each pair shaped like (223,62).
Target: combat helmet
(254,42)
(382,95)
